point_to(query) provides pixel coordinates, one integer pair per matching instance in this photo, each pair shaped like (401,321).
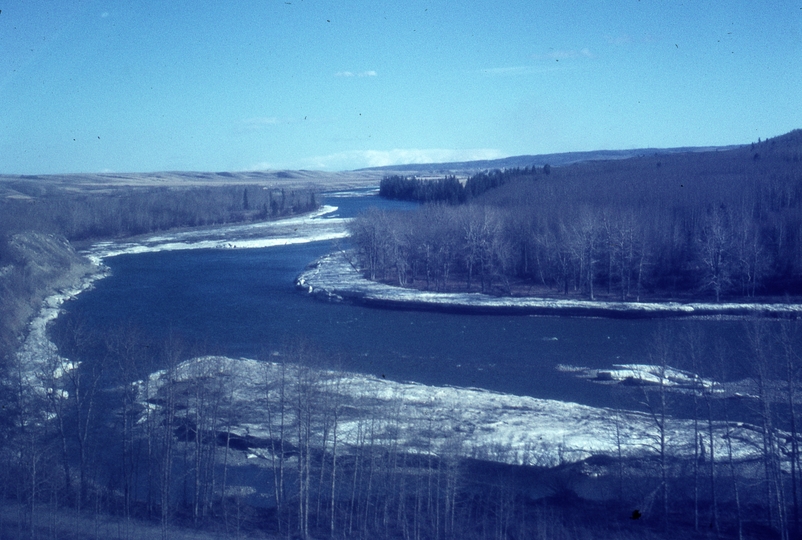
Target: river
(243,303)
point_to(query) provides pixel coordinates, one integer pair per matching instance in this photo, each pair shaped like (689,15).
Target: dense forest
(716,225)
(449,189)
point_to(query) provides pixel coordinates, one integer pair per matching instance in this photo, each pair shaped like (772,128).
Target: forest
(710,225)
(146,439)
(80,215)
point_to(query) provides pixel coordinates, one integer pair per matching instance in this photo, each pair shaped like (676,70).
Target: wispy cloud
(564,54)
(258,123)
(261,166)
(369,73)
(511,71)
(539,67)
(623,39)
(357,159)
(626,39)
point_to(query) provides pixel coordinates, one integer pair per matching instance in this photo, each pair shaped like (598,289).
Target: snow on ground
(336,277)
(442,420)
(295,230)
(351,194)
(646,374)
(39,361)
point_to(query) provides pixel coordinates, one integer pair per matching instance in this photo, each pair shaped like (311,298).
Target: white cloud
(370,73)
(358,159)
(556,55)
(104,14)
(626,39)
(261,166)
(257,123)
(515,70)
(565,54)
(262,120)
(622,39)
(512,70)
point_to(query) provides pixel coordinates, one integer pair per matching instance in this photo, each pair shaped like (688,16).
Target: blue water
(243,303)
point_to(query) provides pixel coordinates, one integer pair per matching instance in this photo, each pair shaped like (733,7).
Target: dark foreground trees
(294,450)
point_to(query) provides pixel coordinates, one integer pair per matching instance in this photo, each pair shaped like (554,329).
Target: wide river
(243,303)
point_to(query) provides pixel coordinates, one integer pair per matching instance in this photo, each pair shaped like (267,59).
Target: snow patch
(40,364)
(442,420)
(337,276)
(645,374)
(312,227)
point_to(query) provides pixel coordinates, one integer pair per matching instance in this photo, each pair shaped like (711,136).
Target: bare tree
(584,239)
(169,399)
(715,246)
(275,382)
(758,339)
(371,232)
(656,402)
(788,342)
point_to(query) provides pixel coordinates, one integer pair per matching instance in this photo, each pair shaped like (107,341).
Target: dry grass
(101,182)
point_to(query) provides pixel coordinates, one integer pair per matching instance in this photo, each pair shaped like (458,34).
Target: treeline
(717,225)
(410,188)
(170,450)
(130,211)
(449,189)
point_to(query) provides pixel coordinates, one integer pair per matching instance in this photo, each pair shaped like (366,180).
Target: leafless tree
(656,402)
(716,251)
(758,338)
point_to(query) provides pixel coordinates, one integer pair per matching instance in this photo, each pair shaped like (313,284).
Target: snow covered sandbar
(439,420)
(335,278)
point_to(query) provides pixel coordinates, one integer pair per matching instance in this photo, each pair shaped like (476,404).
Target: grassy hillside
(467,168)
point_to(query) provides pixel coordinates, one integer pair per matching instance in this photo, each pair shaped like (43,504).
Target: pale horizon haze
(101,86)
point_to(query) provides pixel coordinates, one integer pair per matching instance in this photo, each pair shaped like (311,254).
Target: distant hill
(559,159)
(32,186)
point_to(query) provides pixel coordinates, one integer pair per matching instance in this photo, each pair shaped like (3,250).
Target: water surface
(243,303)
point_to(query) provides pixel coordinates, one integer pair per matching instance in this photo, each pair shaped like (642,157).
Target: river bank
(44,271)
(66,273)
(335,277)
(293,230)
(546,431)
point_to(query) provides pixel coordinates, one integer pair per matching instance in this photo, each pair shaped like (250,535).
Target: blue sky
(92,86)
